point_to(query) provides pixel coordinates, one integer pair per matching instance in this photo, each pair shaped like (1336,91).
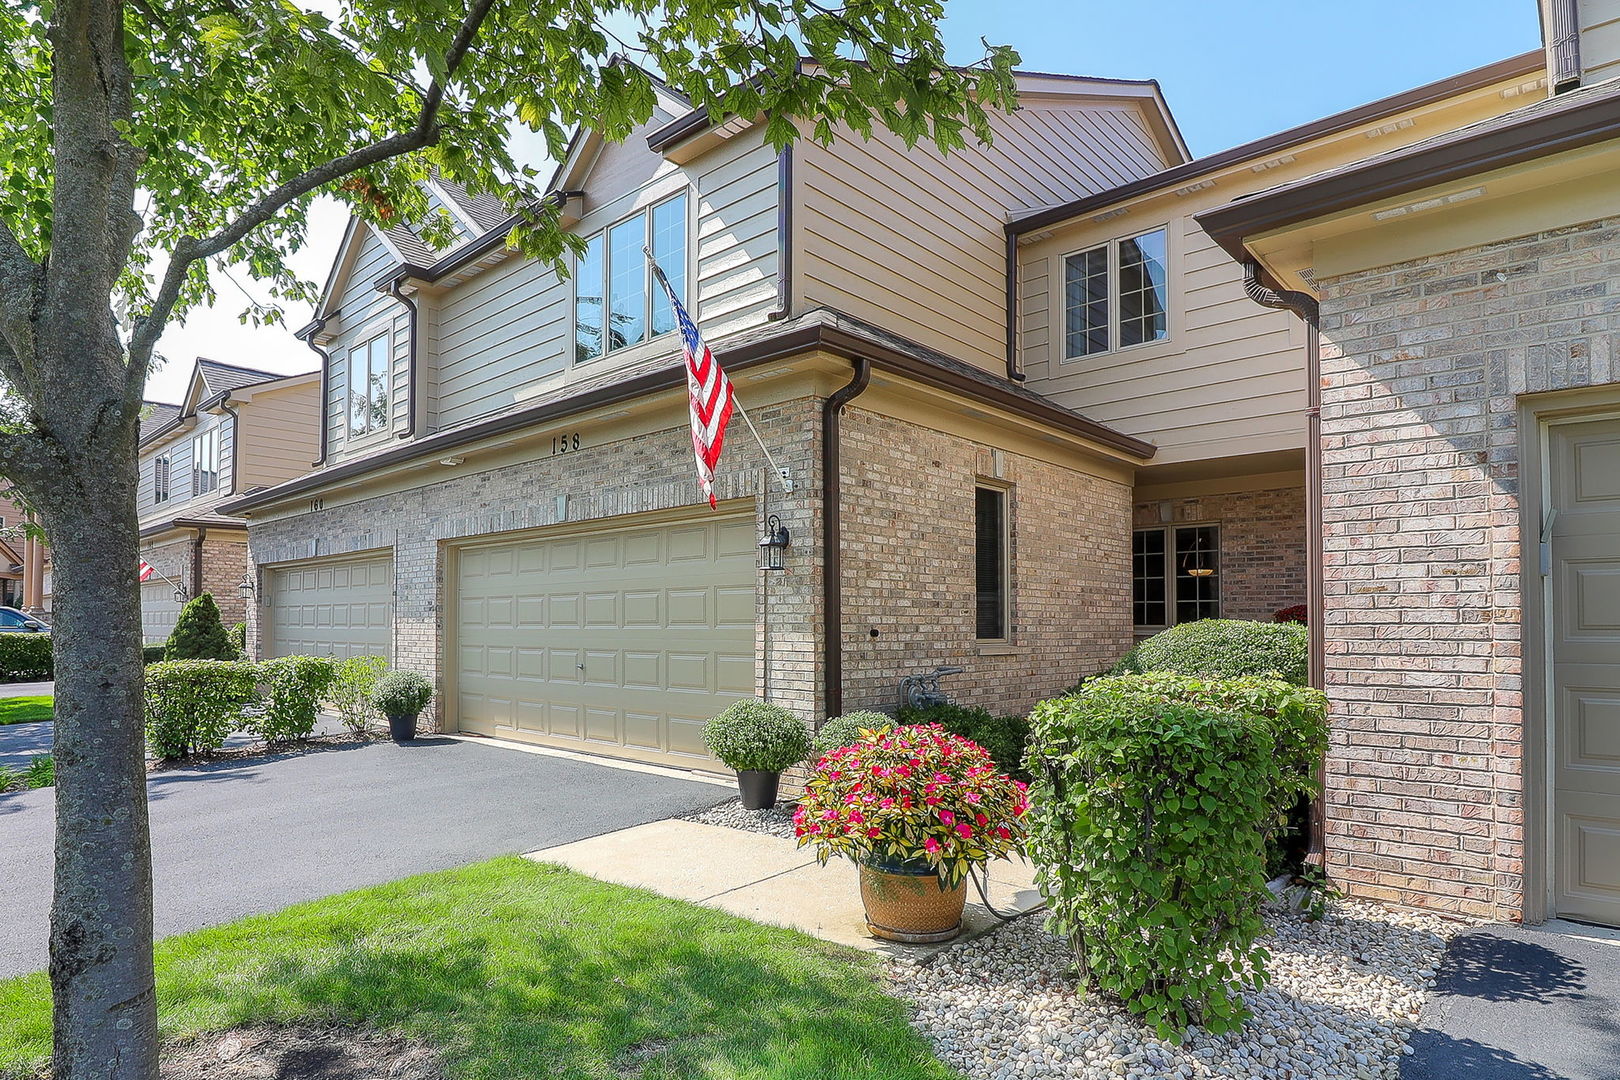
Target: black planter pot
(402,728)
(758,788)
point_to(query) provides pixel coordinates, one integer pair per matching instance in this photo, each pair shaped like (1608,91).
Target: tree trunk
(105,1020)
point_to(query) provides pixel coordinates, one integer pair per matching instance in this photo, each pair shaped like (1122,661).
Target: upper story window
(1115,295)
(1175,575)
(205,462)
(162,468)
(616,301)
(369,378)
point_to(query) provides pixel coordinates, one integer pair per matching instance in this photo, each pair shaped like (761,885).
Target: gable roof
(1514,66)
(218,377)
(159,415)
(210,380)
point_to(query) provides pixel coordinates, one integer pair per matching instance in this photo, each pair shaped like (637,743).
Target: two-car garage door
(332,607)
(620,641)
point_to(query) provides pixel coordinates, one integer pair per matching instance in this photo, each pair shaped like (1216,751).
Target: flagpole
(781,474)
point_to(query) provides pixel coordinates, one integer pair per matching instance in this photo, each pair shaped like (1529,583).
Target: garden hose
(980,880)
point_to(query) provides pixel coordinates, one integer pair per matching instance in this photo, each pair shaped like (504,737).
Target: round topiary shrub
(1224,649)
(848,729)
(752,736)
(402,693)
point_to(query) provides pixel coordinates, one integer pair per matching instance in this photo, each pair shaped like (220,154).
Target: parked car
(13,621)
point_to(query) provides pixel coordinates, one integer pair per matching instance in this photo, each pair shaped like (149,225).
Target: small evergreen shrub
(1224,649)
(151,654)
(353,681)
(191,705)
(199,634)
(1006,737)
(753,736)
(1153,797)
(402,693)
(238,637)
(846,730)
(26,658)
(294,686)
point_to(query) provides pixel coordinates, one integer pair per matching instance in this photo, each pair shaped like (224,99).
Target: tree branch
(20,279)
(188,250)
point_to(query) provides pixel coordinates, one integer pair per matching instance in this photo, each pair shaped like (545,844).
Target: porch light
(773,545)
(245,586)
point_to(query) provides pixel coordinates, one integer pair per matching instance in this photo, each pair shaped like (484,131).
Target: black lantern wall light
(773,545)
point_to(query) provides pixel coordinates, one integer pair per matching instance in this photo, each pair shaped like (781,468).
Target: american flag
(147,570)
(710,391)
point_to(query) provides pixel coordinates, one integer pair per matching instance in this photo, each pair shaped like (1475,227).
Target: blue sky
(1232,70)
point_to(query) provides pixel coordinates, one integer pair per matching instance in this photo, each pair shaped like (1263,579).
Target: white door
(622,641)
(1585,472)
(332,607)
(159,610)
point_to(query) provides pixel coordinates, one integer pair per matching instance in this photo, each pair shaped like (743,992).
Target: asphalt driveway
(240,838)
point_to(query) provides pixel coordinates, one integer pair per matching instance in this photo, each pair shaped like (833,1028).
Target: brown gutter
(1513,67)
(307,335)
(1561,30)
(832,539)
(411,373)
(470,253)
(751,354)
(187,523)
(1552,128)
(196,563)
(1306,307)
(784,236)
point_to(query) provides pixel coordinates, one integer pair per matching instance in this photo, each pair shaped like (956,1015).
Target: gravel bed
(777,821)
(1344,996)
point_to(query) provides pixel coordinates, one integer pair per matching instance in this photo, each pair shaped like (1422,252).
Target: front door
(1585,617)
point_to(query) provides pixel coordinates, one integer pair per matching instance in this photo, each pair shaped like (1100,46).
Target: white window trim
(211,435)
(656,343)
(1060,277)
(382,328)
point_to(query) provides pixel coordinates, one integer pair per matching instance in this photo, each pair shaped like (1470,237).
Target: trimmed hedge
(1224,649)
(294,686)
(191,705)
(842,731)
(152,654)
(1006,737)
(1153,800)
(26,658)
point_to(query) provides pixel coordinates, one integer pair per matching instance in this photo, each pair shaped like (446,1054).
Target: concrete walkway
(1523,1003)
(767,878)
(26,689)
(21,743)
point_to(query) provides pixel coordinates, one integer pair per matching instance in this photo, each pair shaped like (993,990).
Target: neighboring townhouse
(238,429)
(1467,292)
(507,498)
(25,561)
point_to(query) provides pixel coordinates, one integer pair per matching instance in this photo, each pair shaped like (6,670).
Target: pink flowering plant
(912,794)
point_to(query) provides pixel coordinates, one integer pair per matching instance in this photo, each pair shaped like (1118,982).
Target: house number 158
(565,444)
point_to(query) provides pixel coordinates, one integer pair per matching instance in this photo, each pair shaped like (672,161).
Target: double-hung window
(162,469)
(1115,295)
(370,373)
(205,462)
(990,564)
(1175,575)
(617,302)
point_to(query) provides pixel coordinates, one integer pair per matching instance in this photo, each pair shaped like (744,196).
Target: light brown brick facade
(1262,536)
(224,562)
(1423,367)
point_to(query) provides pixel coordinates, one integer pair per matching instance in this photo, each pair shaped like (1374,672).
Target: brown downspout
(1305,306)
(411,375)
(1012,309)
(197,563)
(784,236)
(326,391)
(236,439)
(1561,30)
(832,559)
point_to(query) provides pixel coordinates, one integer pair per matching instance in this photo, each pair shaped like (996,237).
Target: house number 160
(565,444)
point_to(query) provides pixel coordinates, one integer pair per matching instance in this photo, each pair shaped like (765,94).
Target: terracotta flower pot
(906,902)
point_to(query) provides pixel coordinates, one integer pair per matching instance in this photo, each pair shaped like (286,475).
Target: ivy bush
(1153,798)
(1224,649)
(846,730)
(191,705)
(238,636)
(26,658)
(752,735)
(402,693)
(294,686)
(199,633)
(354,679)
(1006,737)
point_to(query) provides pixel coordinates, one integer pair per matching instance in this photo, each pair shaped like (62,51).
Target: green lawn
(516,970)
(23,710)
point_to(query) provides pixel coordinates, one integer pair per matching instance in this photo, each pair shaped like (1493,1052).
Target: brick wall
(224,562)
(908,517)
(1262,555)
(1422,365)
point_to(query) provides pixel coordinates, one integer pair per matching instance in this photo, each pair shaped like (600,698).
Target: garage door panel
(631,639)
(159,611)
(343,608)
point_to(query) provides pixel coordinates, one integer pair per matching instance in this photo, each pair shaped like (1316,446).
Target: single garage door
(622,641)
(333,607)
(159,610)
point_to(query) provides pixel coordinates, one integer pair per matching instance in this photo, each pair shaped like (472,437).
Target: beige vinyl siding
(1600,39)
(912,240)
(736,236)
(278,430)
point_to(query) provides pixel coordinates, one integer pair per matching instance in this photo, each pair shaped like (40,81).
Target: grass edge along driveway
(514,969)
(26,710)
